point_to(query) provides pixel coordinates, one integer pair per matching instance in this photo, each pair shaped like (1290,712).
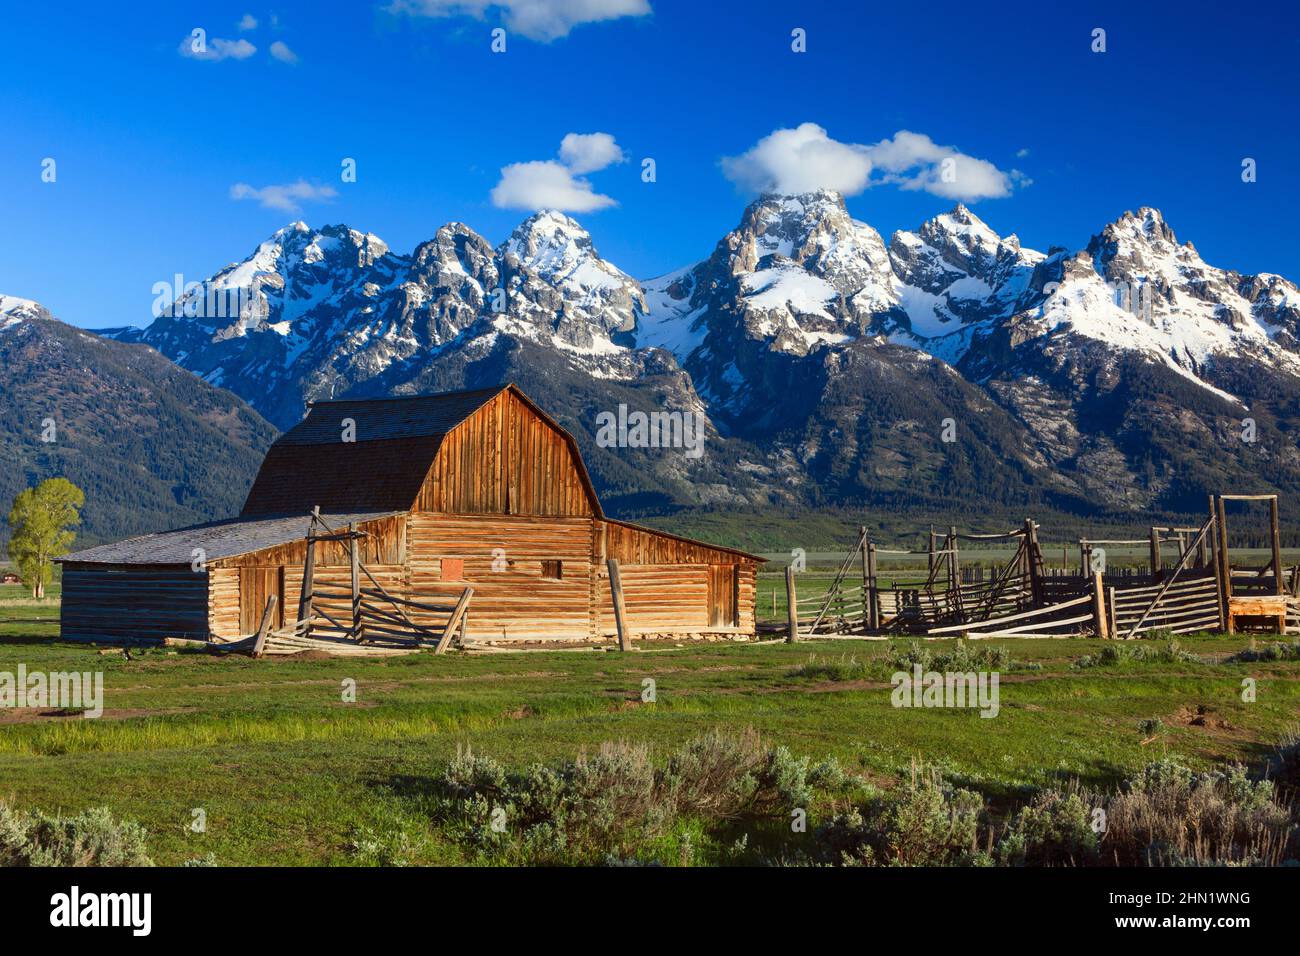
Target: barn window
(554,570)
(453,569)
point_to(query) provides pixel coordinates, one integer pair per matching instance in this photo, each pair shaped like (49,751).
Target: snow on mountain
(765,335)
(15,310)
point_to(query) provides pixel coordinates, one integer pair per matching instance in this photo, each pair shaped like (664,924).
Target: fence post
(873,595)
(791,609)
(1277,546)
(620,612)
(1156,572)
(1099,606)
(356,581)
(308,578)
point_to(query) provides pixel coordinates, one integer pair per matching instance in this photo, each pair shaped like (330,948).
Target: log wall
(132,602)
(502,559)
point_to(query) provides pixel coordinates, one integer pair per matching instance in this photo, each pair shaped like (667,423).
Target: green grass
(288,773)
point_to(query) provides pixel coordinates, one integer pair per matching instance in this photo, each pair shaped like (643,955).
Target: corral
(1196,588)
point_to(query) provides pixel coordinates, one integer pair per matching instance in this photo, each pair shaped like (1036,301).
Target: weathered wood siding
(131,602)
(659,598)
(502,560)
(235,599)
(506,459)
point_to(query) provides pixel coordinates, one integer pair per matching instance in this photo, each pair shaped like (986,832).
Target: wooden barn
(411,517)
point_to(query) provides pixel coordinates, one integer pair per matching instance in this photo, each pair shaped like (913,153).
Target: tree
(40,525)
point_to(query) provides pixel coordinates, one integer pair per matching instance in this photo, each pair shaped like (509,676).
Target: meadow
(282,769)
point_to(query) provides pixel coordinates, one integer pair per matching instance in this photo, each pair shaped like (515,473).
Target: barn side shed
(476,489)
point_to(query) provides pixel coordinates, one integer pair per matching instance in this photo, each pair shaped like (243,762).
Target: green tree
(40,525)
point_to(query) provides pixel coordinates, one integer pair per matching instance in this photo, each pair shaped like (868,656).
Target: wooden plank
(457,617)
(260,644)
(620,614)
(1100,620)
(792,607)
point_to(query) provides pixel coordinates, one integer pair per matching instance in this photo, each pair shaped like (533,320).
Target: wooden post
(1035,565)
(356,581)
(1084,568)
(260,644)
(1110,603)
(1277,546)
(873,596)
(1155,556)
(620,612)
(1225,567)
(1099,606)
(930,560)
(308,578)
(791,607)
(866,577)
(953,569)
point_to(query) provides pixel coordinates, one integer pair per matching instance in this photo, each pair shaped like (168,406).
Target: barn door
(723,592)
(256,585)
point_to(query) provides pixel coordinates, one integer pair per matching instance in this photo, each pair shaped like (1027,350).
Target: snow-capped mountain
(824,358)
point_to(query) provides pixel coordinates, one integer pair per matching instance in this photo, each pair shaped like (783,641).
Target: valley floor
(286,772)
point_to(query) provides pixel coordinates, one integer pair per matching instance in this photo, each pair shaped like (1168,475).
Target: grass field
(287,772)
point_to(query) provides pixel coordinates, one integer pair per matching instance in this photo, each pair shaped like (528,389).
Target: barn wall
(130,602)
(513,602)
(505,459)
(383,552)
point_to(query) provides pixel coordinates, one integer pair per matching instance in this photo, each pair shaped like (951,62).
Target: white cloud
(806,158)
(800,160)
(216,49)
(914,161)
(1022,152)
(248,22)
(546,184)
(589,152)
(543,20)
(286,197)
(280,50)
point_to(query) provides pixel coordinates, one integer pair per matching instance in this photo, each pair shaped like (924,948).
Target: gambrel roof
(384,468)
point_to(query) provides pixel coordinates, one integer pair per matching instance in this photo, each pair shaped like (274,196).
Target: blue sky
(149,143)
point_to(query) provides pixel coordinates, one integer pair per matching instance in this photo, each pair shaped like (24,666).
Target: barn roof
(382,419)
(396,440)
(217,539)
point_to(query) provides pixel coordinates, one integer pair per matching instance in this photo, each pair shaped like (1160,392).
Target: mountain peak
(1148,223)
(14,310)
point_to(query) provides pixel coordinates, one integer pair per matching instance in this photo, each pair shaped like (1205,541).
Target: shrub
(1272,651)
(960,657)
(1115,654)
(1055,829)
(1169,815)
(90,838)
(924,823)
(609,804)
(844,668)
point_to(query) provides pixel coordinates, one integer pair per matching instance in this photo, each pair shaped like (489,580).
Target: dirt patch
(1201,716)
(521,713)
(34,715)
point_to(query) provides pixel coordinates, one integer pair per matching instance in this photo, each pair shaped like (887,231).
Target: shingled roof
(382,470)
(217,539)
